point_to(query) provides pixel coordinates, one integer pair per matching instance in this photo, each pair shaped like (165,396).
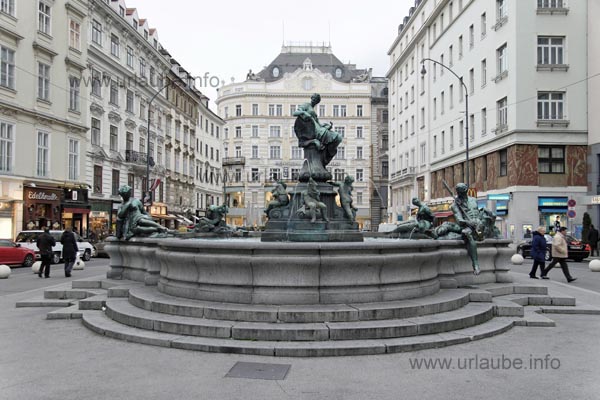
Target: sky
(226,38)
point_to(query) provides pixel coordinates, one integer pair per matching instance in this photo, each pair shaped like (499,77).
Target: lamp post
(147,188)
(423,72)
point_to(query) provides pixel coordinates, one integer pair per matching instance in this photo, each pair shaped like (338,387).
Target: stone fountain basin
(252,272)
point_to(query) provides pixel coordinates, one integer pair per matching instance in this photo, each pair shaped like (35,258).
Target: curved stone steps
(472,314)
(98,322)
(443,301)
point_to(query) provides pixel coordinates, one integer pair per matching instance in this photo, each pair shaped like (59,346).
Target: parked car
(577,250)
(12,253)
(28,239)
(100,251)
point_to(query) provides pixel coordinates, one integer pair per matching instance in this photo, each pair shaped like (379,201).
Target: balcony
(135,157)
(234,161)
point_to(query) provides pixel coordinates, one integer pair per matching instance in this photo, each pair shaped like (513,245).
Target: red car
(12,253)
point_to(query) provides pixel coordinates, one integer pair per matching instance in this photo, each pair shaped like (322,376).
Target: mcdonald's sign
(472,192)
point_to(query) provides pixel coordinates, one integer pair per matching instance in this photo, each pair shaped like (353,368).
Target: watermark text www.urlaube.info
(475,362)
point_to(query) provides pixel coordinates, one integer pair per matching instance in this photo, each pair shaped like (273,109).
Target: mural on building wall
(523,159)
(576,165)
(492,170)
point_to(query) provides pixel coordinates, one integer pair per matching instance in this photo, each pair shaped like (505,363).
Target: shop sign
(498,196)
(44,196)
(552,201)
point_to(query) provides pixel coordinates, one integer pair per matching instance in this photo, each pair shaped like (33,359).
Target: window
(321,110)
(275,174)
(500,9)
(359,110)
(461,133)
(483,72)
(96,83)
(471,81)
(503,163)
(359,175)
(279,110)
(359,198)
(97,179)
(74,93)
(443,138)
(451,96)
(295,174)
(8,7)
(297,153)
(550,105)
(114,138)
(450,56)
(44,17)
(6,146)
(483,25)
(142,67)
(550,50)
(238,110)
(43,81)
(359,132)
(502,107)
(341,153)
(452,138)
(116,178)
(551,159)
(129,141)
(114,45)
(129,57)
(336,111)
(255,131)
(460,47)
(73,159)
(255,151)
(342,111)
(97,32)
(384,168)
(275,131)
(96,132)
(275,152)
(339,174)
(254,109)
(74,34)
(502,55)
(471,37)
(359,152)
(7,67)
(423,149)
(442,102)
(271,110)
(255,175)
(129,102)
(43,156)
(238,131)
(550,4)
(472,125)
(114,93)
(483,121)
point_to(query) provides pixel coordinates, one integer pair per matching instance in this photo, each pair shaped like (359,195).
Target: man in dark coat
(593,236)
(69,251)
(538,252)
(45,242)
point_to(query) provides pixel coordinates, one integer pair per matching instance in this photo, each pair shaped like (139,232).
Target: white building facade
(260,145)
(43,120)
(525,72)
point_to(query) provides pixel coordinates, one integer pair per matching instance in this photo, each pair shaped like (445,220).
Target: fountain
(311,285)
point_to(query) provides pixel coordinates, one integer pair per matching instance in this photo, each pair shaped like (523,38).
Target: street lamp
(147,188)
(423,72)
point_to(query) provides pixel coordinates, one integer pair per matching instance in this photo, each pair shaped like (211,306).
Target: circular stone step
(150,299)
(472,314)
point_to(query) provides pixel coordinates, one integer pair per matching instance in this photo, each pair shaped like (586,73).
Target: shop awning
(443,214)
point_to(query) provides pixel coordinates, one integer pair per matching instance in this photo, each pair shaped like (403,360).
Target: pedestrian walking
(592,239)
(538,252)
(45,242)
(69,251)
(560,252)
(557,224)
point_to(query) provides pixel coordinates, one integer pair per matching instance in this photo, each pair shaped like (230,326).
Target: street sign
(571,214)
(572,203)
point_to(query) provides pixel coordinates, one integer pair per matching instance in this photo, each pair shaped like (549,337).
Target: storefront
(551,210)
(100,219)
(42,208)
(6,219)
(75,210)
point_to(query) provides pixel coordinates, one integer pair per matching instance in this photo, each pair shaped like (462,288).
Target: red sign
(572,203)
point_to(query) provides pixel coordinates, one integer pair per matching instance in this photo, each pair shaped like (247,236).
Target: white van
(28,240)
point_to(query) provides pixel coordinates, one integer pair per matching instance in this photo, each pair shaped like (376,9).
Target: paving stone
(507,308)
(476,295)
(93,303)
(532,318)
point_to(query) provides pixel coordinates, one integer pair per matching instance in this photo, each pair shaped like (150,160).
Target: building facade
(260,146)
(527,104)
(43,120)
(379,152)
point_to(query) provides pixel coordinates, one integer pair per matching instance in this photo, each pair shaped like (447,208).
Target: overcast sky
(226,38)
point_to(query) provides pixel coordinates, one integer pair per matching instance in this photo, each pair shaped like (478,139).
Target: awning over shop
(443,214)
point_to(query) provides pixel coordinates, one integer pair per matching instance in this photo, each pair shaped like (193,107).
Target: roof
(321,57)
